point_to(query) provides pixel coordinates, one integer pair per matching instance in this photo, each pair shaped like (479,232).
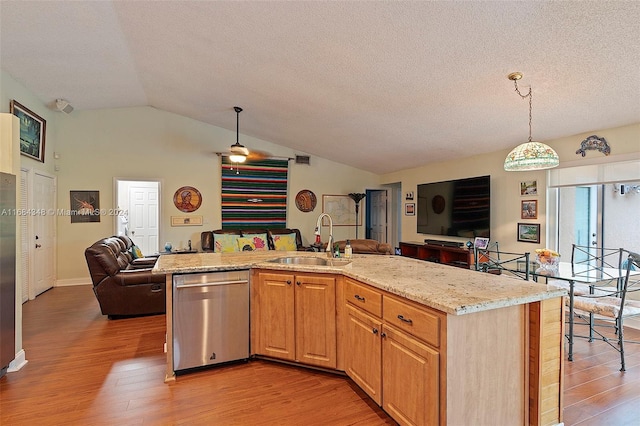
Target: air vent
(303,159)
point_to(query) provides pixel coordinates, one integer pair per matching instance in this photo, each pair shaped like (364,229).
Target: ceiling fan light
(531,156)
(237,158)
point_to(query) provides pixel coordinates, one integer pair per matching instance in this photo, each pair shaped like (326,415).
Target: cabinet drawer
(419,322)
(363,297)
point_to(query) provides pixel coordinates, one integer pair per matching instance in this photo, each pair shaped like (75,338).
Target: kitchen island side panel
(486,367)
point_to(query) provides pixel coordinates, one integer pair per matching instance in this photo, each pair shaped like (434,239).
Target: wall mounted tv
(456,208)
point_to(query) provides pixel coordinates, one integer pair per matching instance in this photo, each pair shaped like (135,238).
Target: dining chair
(494,261)
(610,300)
(596,258)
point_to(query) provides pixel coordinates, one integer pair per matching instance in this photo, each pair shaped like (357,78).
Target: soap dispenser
(348,251)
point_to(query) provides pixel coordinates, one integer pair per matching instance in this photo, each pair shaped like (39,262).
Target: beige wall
(505,195)
(146,143)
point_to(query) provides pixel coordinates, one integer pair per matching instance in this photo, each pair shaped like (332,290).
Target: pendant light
(530,155)
(238,152)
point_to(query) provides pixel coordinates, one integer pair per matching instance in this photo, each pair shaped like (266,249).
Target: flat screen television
(456,208)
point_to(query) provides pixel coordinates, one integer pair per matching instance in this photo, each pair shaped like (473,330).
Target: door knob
(38,246)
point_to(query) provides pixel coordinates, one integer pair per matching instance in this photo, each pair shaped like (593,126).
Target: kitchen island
(490,346)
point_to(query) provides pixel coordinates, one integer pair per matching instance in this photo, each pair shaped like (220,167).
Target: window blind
(254,195)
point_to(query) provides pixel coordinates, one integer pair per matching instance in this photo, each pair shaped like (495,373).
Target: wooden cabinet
(410,386)
(294,317)
(447,255)
(363,357)
(394,357)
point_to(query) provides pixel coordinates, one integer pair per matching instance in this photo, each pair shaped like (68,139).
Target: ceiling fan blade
(257,155)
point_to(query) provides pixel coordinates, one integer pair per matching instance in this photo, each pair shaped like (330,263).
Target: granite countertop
(455,291)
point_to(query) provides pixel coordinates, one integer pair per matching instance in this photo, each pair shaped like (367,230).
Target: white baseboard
(632,323)
(72,282)
(19,362)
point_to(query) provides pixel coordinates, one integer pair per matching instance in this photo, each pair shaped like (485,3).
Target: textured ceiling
(381,86)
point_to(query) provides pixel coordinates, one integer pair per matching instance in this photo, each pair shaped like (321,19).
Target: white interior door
(378,214)
(43,265)
(143,215)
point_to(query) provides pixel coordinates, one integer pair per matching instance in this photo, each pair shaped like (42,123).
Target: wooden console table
(447,255)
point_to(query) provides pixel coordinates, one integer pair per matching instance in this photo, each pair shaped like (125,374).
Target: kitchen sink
(316,261)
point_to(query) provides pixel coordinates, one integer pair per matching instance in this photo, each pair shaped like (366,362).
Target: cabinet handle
(297,282)
(360,298)
(403,319)
(383,334)
(375,330)
(289,282)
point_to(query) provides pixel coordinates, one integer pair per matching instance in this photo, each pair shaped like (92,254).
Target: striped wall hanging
(254,194)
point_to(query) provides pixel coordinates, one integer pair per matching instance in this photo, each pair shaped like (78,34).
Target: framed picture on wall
(528,188)
(410,209)
(529,232)
(529,209)
(85,206)
(342,210)
(33,130)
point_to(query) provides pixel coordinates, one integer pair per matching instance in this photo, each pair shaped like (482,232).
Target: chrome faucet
(317,232)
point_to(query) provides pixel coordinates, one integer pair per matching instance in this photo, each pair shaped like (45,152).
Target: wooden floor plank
(87,370)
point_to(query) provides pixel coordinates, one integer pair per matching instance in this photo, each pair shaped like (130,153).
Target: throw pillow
(259,241)
(225,243)
(285,242)
(246,244)
(136,252)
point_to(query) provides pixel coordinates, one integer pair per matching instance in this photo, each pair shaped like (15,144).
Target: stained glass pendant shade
(530,155)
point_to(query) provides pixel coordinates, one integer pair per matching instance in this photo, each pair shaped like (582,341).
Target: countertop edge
(546,291)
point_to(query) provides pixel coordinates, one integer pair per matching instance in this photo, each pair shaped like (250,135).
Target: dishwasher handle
(214,283)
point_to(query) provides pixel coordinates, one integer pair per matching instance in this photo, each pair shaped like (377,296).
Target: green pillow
(136,252)
(285,242)
(259,241)
(225,243)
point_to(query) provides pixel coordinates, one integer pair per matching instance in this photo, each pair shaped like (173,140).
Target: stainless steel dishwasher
(210,318)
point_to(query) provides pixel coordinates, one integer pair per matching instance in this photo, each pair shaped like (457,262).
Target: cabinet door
(275,322)
(315,298)
(410,372)
(363,352)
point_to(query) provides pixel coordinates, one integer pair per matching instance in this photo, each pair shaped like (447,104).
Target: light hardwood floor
(86,370)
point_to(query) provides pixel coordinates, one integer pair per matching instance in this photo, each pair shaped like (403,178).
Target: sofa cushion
(225,243)
(136,252)
(273,232)
(246,244)
(260,241)
(285,242)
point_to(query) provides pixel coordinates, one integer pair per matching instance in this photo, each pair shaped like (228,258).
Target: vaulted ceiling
(380,86)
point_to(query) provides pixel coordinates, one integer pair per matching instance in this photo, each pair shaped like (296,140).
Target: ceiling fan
(238,153)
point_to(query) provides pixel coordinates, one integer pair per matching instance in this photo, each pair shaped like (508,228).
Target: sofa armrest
(143,262)
(137,276)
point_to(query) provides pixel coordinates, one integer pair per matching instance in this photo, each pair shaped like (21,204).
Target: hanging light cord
(528,95)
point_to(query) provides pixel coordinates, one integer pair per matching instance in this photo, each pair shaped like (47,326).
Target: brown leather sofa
(364,246)
(124,286)
(207,243)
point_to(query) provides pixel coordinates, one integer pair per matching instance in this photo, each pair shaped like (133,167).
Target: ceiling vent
(303,159)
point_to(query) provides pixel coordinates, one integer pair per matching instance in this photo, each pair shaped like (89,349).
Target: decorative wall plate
(187,199)
(306,201)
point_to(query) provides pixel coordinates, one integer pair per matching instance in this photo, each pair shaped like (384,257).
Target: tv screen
(457,208)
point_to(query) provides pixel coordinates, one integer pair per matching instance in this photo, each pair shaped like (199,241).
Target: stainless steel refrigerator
(7,270)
